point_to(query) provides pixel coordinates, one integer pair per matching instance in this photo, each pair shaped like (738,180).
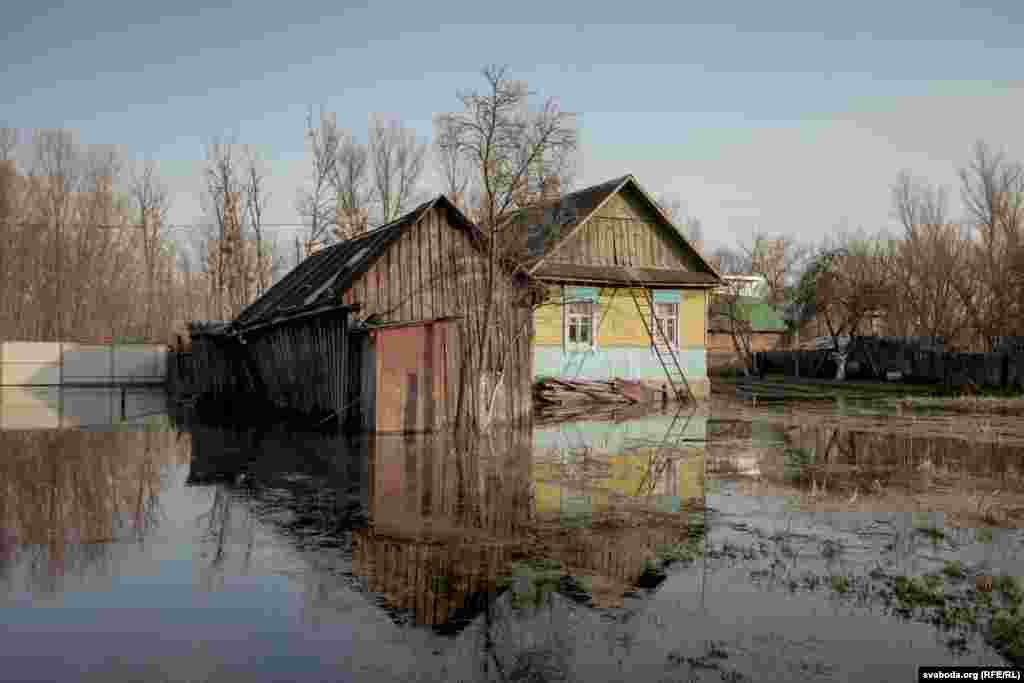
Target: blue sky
(788,117)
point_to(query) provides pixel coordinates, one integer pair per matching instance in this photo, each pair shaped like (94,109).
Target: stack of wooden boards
(561,392)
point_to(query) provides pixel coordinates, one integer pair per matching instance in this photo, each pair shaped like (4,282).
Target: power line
(165,226)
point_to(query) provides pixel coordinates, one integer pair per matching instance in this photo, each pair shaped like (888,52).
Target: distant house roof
(763,317)
(323,276)
(549,223)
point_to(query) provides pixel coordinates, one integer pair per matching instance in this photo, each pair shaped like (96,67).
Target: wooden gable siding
(418,276)
(434,271)
(626,231)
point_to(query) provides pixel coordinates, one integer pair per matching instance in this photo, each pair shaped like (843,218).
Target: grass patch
(678,552)
(914,592)
(991,405)
(1007,634)
(954,570)
(934,533)
(840,584)
(1010,588)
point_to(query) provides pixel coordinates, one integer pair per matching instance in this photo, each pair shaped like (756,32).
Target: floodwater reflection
(707,545)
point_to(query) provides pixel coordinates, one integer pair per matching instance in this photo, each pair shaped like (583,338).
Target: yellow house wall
(618,322)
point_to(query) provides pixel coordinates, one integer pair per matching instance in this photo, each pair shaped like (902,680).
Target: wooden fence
(882,359)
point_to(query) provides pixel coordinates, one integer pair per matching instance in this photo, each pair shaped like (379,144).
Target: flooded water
(731,543)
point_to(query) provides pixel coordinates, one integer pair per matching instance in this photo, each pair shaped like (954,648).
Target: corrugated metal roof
(323,276)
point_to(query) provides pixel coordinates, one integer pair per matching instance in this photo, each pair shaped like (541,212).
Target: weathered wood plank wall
(625,232)
(434,271)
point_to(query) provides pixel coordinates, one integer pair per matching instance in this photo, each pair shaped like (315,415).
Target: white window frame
(568,317)
(674,341)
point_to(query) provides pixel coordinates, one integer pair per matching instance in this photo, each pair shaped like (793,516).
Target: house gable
(626,230)
(618,227)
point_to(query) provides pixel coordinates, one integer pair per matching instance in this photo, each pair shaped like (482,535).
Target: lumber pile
(568,393)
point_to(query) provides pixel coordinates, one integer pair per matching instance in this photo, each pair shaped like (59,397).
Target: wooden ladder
(671,445)
(659,342)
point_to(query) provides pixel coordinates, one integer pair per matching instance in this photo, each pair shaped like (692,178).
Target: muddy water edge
(833,541)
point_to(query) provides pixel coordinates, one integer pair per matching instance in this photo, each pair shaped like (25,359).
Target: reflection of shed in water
(446,519)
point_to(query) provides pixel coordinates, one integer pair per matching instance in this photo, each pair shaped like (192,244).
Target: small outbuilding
(384,331)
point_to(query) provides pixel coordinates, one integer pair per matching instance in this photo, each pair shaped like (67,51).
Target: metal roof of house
(324,275)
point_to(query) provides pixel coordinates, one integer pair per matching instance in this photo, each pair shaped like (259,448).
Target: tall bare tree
(318,199)
(350,184)
(452,164)
(398,157)
(993,194)
(256,199)
(509,145)
(225,192)
(57,175)
(151,202)
(928,263)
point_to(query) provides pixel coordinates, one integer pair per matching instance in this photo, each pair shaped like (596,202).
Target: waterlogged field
(833,542)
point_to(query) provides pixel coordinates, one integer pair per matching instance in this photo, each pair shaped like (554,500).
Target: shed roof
(324,275)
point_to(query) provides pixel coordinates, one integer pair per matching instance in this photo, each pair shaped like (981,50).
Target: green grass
(954,570)
(1007,633)
(840,584)
(914,592)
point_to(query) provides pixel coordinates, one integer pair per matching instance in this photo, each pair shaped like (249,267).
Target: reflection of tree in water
(428,524)
(65,495)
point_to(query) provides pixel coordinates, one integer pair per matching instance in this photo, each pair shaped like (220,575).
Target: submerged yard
(850,540)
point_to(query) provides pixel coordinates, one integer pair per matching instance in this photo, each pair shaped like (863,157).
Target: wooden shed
(414,291)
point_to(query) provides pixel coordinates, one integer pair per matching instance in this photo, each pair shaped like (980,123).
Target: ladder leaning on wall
(659,342)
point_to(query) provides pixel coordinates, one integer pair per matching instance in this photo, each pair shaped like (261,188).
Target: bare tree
(993,194)
(398,157)
(509,146)
(58,176)
(728,260)
(317,200)
(690,226)
(778,259)
(350,187)
(928,263)
(453,165)
(846,285)
(225,191)
(256,199)
(151,201)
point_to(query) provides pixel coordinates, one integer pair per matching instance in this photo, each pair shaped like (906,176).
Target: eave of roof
(622,275)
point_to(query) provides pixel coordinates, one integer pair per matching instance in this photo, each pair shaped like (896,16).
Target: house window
(667,317)
(579,322)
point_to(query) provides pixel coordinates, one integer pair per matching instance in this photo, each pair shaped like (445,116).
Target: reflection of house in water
(442,522)
(586,467)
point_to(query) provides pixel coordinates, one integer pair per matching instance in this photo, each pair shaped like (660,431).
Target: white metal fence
(74,364)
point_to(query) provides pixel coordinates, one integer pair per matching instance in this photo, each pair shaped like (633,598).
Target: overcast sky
(789,117)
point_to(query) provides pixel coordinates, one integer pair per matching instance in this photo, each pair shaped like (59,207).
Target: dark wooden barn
(396,319)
